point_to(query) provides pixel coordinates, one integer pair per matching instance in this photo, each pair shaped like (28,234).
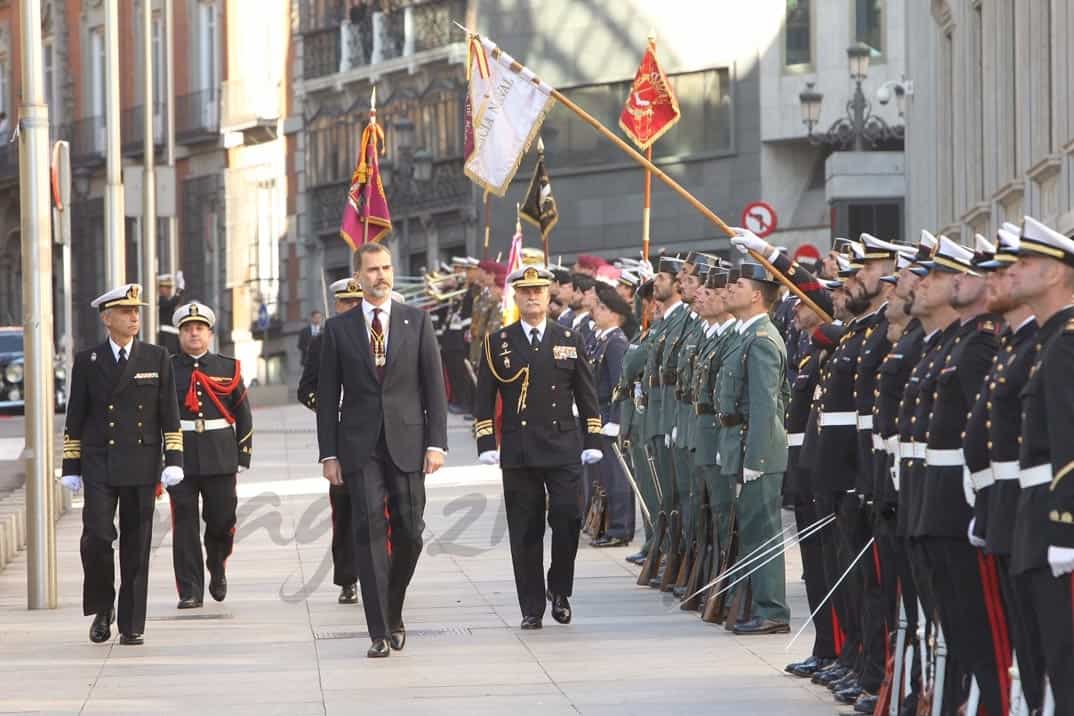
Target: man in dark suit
(610,312)
(390,430)
(539,369)
(122,416)
(308,333)
(348,295)
(218,429)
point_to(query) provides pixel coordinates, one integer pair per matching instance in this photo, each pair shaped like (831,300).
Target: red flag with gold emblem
(651,109)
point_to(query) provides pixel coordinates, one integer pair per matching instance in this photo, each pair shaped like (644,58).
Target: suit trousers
(621,507)
(759,519)
(344,565)
(1025,634)
(384,580)
(1053,600)
(524,491)
(721,489)
(218,505)
(817,586)
(136,505)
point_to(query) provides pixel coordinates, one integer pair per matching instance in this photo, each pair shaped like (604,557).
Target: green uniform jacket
(679,323)
(651,378)
(686,355)
(709,359)
(753,384)
(630,418)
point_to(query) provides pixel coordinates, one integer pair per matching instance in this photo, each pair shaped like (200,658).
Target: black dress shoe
(131,639)
(398,638)
(637,558)
(807,663)
(866,703)
(561,608)
(806,669)
(679,592)
(832,673)
(851,679)
(848,695)
(218,586)
(189,603)
(101,629)
(611,542)
(531,623)
(757,625)
(348,594)
(379,649)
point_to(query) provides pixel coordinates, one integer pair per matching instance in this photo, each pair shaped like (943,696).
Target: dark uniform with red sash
(217,437)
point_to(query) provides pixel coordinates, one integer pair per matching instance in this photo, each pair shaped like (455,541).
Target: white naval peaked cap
(346,288)
(194,312)
(1039,240)
(953,258)
(982,245)
(1011,228)
(878,249)
(129,294)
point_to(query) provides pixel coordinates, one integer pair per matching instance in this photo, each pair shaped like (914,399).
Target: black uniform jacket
(220,451)
(120,423)
(538,389)
(307,384)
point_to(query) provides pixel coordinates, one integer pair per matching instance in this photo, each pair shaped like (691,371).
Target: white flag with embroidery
(505,107)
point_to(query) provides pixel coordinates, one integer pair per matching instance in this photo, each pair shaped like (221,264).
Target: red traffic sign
(760,218)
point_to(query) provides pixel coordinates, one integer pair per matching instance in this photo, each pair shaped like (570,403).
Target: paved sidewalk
(280,644)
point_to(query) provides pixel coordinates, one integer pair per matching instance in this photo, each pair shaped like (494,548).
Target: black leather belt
(730,420)
(704,409)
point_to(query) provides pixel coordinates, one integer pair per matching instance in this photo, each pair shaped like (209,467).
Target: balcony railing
(447,189)
(89,139)
(369,37)
(197,116)
(132,134)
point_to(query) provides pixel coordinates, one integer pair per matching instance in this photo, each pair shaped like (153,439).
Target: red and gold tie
(377,344)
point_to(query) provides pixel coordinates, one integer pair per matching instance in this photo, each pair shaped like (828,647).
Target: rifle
(652,560)
(714,604)
(701,550)
(633,483)
(596,516)
(673,558)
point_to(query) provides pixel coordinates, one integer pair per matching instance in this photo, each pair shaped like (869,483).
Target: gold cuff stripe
(246,436)
(484,432)
(72,454)
(1062,473)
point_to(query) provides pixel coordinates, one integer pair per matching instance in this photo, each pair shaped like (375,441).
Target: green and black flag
(539,208)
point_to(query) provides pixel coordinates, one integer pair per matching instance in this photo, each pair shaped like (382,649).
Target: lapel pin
(93,357)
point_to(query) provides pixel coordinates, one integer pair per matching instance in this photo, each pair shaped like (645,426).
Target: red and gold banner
(651,109)
(365,214)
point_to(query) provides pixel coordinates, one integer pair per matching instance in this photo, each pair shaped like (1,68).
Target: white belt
(1007,470)
(891,444)
(1033,476)
(906,450)
(878,443)
(795,439)
(169,329)
(917,450)
(201,426)
(982,479)
(865,422)
(944,458)
(838,419)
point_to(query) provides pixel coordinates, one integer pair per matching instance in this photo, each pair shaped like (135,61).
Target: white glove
(749,475)
(638,393)
(72,482)
(1061,560)
(967,487)
(746,241)
(574,409)
(645,270)
(674,433)
(974,539)
(489,457)
(243,468)
(180,282)
(590,457)
(610,430)
(667,441)
(171,476)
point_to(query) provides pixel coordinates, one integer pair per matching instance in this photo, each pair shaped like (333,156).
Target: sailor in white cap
(347,294)
(1042,554)
(214,413)
(122,423)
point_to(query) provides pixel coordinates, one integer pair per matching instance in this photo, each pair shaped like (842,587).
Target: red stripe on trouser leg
(1005,636)
(837,633)
(995,624)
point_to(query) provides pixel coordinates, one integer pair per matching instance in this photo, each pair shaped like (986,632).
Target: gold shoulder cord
(523,372)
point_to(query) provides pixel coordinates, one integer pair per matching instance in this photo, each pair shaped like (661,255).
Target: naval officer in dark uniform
(214,414)
(348,294)
(539,369)
(122,422)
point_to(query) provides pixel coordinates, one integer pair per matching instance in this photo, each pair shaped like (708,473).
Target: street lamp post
(859,128)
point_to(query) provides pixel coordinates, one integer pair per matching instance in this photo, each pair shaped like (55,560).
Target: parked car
(12,357)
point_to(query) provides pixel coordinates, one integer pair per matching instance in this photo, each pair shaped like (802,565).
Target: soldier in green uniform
(630,396)
(752,397)
(661,410)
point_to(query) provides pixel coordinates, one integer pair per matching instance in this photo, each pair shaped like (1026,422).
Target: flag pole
(373,141)
(646,211)
(544,234)
(488,227)
(690,198)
